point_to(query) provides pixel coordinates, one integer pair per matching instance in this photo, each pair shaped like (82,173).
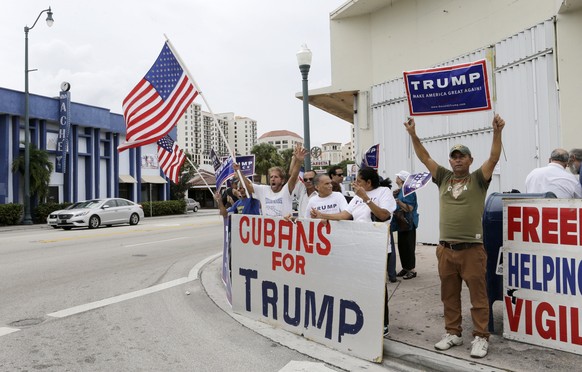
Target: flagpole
(171,46)
(200,174)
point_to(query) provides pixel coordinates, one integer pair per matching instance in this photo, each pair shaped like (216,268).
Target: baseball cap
(460,148)
(403,175)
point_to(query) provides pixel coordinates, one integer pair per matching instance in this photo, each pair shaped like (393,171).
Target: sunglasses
(308,179)
(339,174)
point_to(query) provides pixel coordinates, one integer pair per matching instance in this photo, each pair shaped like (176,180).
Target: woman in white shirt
(370,199)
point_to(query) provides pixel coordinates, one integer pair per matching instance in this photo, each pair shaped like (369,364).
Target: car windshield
(87,204)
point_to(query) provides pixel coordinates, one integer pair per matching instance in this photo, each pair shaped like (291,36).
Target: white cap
(403,175)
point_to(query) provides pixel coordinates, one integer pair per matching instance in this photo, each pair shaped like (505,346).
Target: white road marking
(113,300)
(7,330)
(192,275)
(158,241)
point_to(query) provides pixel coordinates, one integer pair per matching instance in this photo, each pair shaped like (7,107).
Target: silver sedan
(97,212)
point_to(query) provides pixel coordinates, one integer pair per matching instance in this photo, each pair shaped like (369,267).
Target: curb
(398,356)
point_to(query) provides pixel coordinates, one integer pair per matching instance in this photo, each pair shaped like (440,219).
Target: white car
(52,219)
(192,205)
(97,212)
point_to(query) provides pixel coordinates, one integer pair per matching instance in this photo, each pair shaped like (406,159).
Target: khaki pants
(468,265)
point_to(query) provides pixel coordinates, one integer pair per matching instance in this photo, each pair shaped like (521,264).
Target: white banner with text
(542,272)
(324,281)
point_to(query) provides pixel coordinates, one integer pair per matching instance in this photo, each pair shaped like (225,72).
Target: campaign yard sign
(448,90)
(324,281)
(542,272)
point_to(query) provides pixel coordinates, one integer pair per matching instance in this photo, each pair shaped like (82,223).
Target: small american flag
(170,158)
(156,103)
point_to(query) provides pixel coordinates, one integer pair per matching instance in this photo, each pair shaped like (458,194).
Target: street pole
(27,220)
(304,61)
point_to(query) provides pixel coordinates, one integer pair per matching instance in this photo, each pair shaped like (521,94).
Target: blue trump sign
(448,90)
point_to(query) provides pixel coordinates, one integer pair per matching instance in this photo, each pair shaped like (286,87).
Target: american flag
(170,158)
(156,103)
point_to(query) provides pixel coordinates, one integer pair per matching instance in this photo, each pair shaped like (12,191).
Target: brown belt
(458,246)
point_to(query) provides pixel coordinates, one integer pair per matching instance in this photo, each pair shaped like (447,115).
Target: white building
(197,134)
(348,152)
(243,135)
(281,139)
(331,152)
(532,51)
(189,136)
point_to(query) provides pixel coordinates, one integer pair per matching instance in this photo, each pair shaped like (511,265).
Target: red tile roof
(280,133)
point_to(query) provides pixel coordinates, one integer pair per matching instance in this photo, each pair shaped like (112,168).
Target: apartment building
(348,152)
(197,134)
(242,133)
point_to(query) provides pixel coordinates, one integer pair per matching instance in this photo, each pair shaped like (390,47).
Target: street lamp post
(304,62)
(27,220)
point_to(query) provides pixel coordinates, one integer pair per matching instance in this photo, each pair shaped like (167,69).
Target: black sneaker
(392,280)
(386,331)
(409,275)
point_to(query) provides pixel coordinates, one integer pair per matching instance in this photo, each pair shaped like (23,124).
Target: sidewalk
(416,324)
(416,318)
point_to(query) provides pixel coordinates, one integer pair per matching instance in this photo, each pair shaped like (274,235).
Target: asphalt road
(123,298)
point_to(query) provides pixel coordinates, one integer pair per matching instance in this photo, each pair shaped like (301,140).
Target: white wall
(521,77)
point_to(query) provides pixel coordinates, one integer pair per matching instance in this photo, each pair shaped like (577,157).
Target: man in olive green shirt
(461,254)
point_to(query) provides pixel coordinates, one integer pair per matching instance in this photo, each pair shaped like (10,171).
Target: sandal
(409,275)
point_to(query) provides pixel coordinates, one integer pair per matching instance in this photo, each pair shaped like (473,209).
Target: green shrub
(164,208)
(11,214)
(42,211)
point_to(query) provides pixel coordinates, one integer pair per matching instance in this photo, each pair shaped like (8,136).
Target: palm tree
(187,172)
(41,169)
(287,155)
(266,156)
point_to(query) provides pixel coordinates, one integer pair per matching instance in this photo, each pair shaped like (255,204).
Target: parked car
(192,205)
(52,219)
(97,212)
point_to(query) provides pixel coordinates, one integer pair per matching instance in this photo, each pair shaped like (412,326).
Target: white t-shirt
(274,204)
(300,193)
(554,178)
(333,203)
(381,196)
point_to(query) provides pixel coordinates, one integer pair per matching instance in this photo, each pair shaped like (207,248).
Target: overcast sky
(241,53)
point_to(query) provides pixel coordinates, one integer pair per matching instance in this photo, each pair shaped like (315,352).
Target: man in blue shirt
(243,205)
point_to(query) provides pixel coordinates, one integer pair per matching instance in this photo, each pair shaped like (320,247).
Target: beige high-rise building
(243,135)
(348,151)
(197,135)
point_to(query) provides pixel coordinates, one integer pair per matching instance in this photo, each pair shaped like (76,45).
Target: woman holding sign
(371,203)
